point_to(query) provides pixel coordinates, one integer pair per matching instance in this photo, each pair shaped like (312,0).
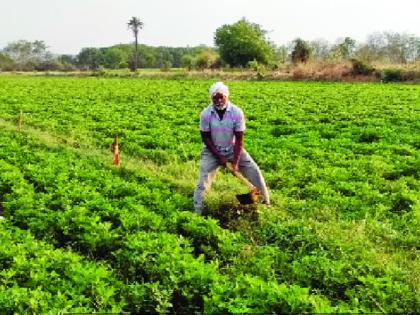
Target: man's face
(219,99)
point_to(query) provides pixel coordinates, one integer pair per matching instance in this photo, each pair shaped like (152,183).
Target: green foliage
(242,42)
(165,260)
(187,61)
(122,56)
(206,59)
(392,75)
(208,238)
(115,58)
(260,69)
(249,295)
(343,50)
(6,63)
(341,161)
(399,75)
(36,278)
(91,57)
(383,294)
(27,55)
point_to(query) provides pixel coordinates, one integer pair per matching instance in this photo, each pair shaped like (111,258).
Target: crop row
(342,162)
(351,146)
(171,259)
(177,263)
(36,278)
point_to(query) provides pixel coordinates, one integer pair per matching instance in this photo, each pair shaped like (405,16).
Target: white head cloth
(219,87)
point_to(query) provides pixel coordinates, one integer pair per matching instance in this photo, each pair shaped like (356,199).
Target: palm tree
(135,25)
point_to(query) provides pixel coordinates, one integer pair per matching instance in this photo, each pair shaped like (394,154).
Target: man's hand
(206,137)
(235,166)
(231,167)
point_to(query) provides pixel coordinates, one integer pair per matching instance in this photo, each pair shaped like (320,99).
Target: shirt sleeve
(239,123)
(204,122)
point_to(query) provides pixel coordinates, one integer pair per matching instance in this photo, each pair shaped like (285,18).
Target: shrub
(411,75)
(392,75)
(361,68)
(259,68)
(301,51)
(321,71)
(99,72)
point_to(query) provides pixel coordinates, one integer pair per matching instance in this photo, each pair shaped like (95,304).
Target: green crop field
(342,162)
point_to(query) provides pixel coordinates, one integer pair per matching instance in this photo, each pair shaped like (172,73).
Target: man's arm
(206,137)
(237,149)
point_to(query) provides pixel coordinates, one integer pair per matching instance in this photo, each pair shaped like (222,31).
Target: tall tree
(91,58)
(135,25)
(344,49)
(28,55)
(320,48)
(242,42)
(6,63)
(114,58)
(301,51)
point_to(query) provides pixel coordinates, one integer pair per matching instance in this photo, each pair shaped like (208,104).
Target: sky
(66,26)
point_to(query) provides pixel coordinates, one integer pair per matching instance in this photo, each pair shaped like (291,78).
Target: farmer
(222,126)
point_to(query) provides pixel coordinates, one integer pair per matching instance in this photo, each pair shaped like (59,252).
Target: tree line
(241,44)
(24,55)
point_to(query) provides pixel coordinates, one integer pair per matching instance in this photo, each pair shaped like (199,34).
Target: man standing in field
(222,126)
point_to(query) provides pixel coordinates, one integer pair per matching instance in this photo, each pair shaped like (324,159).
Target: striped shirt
(222,130)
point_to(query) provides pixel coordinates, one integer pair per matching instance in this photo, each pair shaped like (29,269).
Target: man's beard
(220,106)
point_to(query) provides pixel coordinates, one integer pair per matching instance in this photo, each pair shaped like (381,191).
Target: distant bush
(259,68)
(321,71)
(301,51)
(411,75)
(166,66)
(361,68)
(6,63)
(392,75)
(400,75)
(100,72)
